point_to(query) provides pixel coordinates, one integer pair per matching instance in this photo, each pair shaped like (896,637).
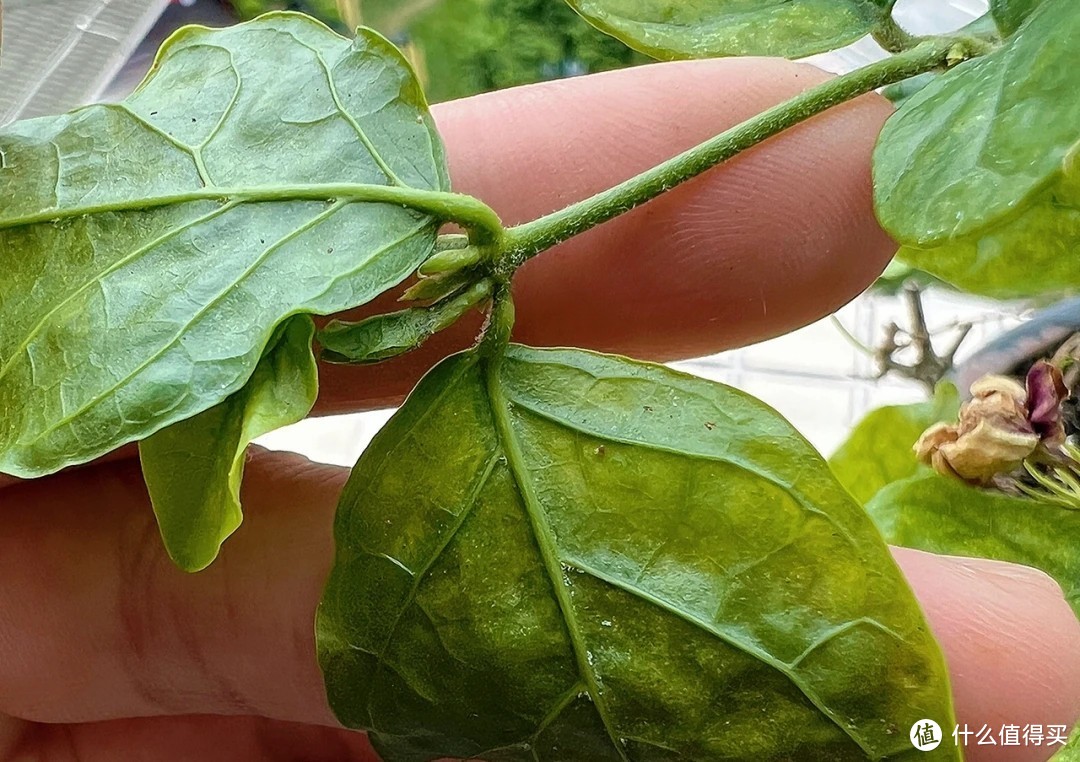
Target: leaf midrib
(431,202)
(545,542)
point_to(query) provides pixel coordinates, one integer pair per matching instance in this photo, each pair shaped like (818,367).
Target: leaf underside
(132,296)
(671,29)
(940,515)
(569,556)
(193,468)
(977,175)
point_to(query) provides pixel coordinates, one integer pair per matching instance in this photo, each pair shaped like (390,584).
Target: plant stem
(893,37)
(525,241)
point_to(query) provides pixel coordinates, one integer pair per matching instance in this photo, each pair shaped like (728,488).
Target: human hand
(108,652)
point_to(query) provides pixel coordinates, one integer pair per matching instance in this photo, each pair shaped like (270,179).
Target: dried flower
(1002,425)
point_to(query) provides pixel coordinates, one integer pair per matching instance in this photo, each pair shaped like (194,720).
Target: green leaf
(1010,14)
(151,247)
(940,515)
(193,468)
(671,29)
(381,337)
(901,92)
(568,555)
(976,175)
(878,451)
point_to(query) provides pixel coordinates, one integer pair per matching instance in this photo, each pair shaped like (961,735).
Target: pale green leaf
(977,176)
(566,555)
(941,515)
(151,247)
(879,449)
(671,29)
(384,336)
(193,468)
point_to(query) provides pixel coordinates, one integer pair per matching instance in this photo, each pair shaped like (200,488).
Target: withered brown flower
(1002,424)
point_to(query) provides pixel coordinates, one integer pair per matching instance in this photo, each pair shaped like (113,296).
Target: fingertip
(1011,641)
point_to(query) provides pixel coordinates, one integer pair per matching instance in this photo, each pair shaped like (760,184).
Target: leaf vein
(785,487)
(380,162)
(466,510)
(96,279)
(202,311)
(765,657)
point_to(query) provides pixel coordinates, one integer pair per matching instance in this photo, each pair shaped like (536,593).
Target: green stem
(500,322)
(893,37)
(469,212)
(525,241)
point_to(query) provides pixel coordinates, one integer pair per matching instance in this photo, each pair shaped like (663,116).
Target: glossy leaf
(1010,14)
(671,29)
(879,450)
(976,174)
(381,337)
(193,468)
(151,247)
(572,556)
(940,515)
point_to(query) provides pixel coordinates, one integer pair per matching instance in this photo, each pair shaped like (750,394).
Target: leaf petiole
(893,37)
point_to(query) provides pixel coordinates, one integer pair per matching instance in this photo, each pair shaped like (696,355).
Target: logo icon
(925,735)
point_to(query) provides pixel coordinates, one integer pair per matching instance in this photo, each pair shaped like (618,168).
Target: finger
(774,239)
(1012,644)
(128,634)
(182,739)
(99,624)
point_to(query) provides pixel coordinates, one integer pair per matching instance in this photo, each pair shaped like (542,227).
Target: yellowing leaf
(566,555)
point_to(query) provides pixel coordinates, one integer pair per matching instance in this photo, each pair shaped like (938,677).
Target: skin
(109,652)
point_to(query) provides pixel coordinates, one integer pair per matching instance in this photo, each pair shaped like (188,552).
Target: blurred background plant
(464,47)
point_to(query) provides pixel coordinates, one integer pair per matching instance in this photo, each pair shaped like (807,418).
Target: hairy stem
(893,37)
(525,241)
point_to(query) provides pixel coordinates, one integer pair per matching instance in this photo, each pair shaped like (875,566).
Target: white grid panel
(58,54)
